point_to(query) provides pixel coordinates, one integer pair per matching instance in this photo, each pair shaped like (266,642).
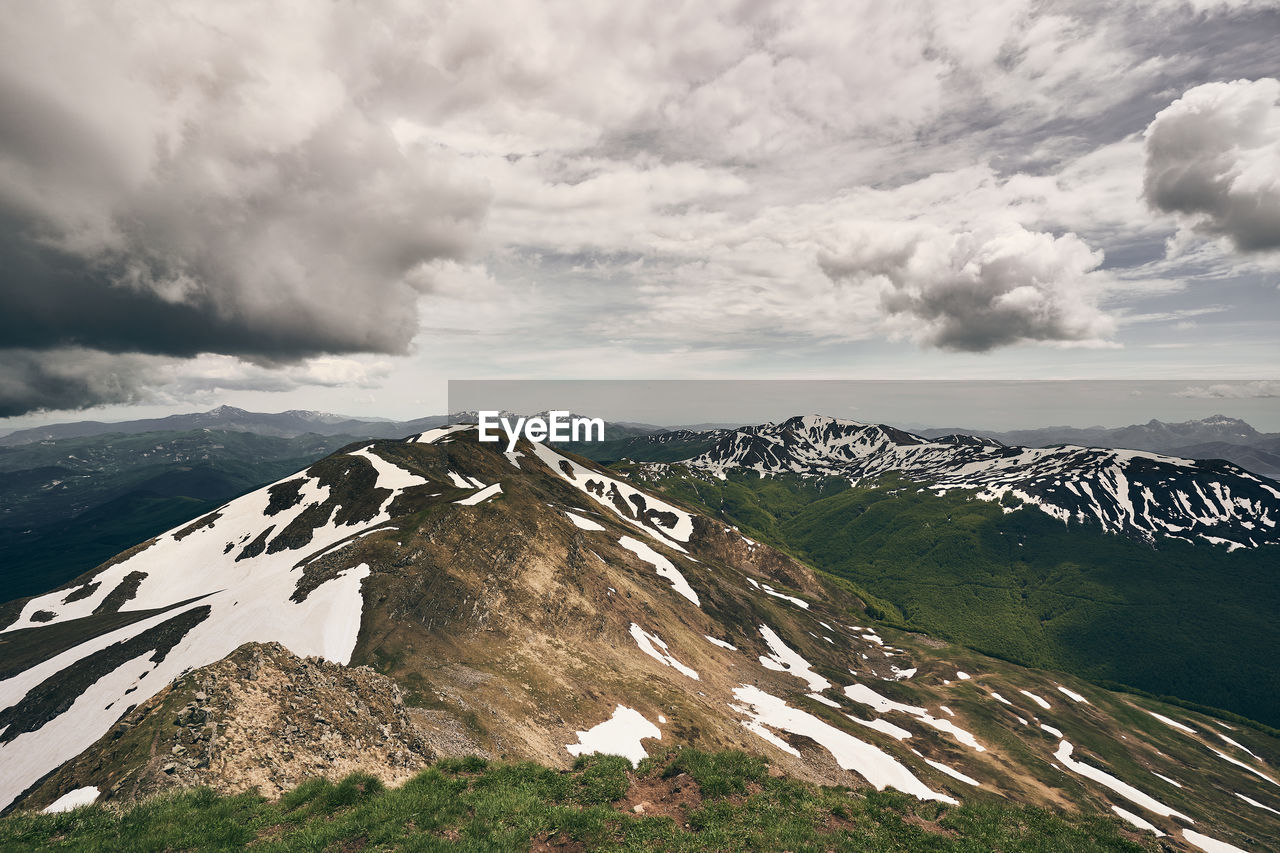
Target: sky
(341,206)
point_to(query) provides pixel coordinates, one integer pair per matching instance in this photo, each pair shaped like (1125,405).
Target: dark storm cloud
(185,180)
(69,379)
(1213,157)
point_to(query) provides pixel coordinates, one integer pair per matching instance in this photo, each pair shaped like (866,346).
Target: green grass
(1180,620)
(723,801)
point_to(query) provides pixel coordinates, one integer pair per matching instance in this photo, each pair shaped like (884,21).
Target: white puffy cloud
(977,290)
(1213,157)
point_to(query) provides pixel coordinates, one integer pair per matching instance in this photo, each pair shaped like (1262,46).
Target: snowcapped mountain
(531,605)
(1154,435)
(1132,492)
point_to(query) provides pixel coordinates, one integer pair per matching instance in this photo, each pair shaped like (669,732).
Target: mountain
(1093,576)
(1262,458)
(532,606)
(1138,494)
(289,424)
(1215,437)
(68,504)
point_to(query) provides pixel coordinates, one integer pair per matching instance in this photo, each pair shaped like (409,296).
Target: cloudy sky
(342,205)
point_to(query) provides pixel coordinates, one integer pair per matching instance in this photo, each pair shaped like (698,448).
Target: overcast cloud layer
(209,196)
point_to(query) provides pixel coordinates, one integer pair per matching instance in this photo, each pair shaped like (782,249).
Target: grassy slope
(694,801)
(1190,621)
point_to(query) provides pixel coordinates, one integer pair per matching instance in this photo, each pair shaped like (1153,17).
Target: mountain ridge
(546,606)
(1212,501)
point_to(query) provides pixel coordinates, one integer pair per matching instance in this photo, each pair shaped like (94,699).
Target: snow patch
(664,567)
(768,590)
(583,523)
(872,763)
(1137,821)
(785,659)
(1038,700)
(73,800)
(1239,763)
(481,496)
(1124,789)
(952,772)
(431,436)
(1257,804)
(865,695)
(883,726)
(653,646)
(619,735)
(679,529)
(1172,723)
(1210,845)
(1072,695)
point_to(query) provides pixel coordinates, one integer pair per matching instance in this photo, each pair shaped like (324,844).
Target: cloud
(1233,390)
(76,377)
(275,185)
(181,179)
(71,379)
(974,291)
(1213,158)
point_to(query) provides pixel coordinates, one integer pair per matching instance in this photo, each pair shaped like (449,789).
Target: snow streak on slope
(1210,845)
(480,496)
(1127,491)
(653,646)
(1124,789)
(783,658)
(875,765)
(624,500)
(1139,822)
(865,695)
(583,523)
(662,565)
(231,578)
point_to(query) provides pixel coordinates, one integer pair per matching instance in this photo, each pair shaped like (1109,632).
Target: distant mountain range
(289,424)
(1215,437)
(1134,492)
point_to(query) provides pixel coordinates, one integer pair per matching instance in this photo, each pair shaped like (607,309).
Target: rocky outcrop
(261,718)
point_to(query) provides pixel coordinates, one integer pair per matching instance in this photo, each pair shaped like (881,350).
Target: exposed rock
(261,718)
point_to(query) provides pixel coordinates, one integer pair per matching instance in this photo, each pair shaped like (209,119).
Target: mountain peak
(1135,493)
(226,412)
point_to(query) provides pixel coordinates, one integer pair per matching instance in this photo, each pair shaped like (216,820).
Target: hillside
(66,505)
(533,607)
(1214,437)
(1191,621)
